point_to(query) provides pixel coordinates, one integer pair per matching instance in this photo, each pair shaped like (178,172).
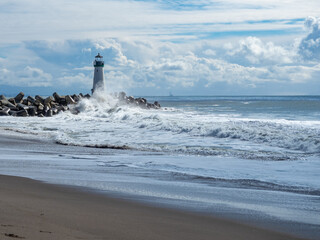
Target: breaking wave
(103,122)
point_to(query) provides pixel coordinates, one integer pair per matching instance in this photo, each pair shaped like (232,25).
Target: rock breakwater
(21,106)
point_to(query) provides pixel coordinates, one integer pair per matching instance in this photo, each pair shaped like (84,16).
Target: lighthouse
(98,78)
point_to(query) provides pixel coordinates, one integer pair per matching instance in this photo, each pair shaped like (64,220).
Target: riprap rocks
(21,106)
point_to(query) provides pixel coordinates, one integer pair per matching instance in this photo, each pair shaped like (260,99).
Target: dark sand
(33,210)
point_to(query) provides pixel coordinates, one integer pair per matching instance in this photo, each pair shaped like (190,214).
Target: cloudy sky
(157,47)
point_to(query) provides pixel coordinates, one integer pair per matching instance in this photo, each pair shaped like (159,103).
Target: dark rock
(21,106)
(157,105)
(130,99)
(26,102)
(62,108)
(37,103)
(19,97)
(32,111)
(12,112)
(48,100)
(141,102)
(48,105)
(76,98)
(56,97)
(13,101)
(63,101)
(39,98)
(150,105)
(31,99)
(54,111)
(49,113)
(54,105)
(40,107)
(4,112)
(8,104)
(2,97)
(21,113)
(70,100)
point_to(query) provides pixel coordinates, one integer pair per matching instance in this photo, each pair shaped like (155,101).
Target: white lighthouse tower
(98,78)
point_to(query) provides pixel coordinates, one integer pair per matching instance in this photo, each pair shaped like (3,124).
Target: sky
(161,47)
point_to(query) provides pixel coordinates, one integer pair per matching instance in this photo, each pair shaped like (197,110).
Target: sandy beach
(35,210)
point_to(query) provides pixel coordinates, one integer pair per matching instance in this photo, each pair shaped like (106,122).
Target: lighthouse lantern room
(98,78)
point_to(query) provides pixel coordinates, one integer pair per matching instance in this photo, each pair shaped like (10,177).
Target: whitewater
(243,156)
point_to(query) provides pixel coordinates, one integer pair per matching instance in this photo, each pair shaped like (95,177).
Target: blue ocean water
(280,107)
(253,155)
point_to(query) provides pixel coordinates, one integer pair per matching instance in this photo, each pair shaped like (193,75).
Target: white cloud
(309,47)
(29,76)
(114,51)
(209,52)
(117,81)
(72,80)
(140,64)
(86,50)
(253,50)
(73,19)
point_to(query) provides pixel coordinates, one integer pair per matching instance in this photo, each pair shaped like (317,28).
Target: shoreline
(32,209)
(34,157)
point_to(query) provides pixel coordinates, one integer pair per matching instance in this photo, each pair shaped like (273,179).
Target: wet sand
(31,209)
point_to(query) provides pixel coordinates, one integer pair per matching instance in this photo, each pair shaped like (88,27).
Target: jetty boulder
(19,97)
(21,106)
(40,107)
(40,99)
(32,111)
(2,97)
(26,102)
(48,100)
(130,99)
(157,105)
(4,112)
(21,113)
(31,99)
(56,96)
(49,113)
(11,100)
(8,104)
(70,100)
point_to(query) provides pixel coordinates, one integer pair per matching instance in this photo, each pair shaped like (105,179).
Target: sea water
(239,156)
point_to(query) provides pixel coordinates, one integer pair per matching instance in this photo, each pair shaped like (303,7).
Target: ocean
(246,157)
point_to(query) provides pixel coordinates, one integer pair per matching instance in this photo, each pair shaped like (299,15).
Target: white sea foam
(103,122)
